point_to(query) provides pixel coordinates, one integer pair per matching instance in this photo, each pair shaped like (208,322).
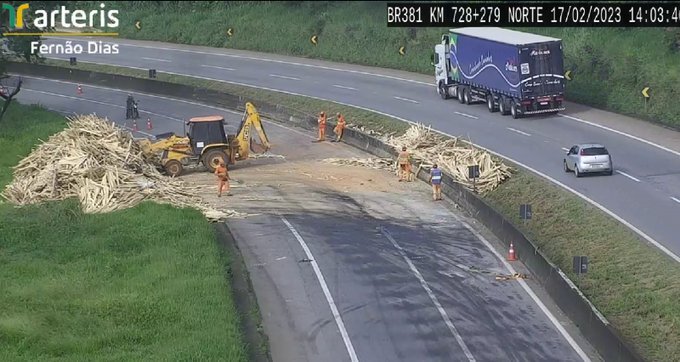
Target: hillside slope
(610,66)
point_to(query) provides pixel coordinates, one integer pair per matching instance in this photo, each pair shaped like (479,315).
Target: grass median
(147,283)
(633,284)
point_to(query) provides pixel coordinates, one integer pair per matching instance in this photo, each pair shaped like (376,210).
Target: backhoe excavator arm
(251,118)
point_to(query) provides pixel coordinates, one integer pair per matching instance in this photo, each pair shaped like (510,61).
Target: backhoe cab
(206,142)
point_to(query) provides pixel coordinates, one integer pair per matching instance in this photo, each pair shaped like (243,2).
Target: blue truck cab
(513,72)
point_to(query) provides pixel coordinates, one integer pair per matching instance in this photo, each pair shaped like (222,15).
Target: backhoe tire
(174,168)
(212,159)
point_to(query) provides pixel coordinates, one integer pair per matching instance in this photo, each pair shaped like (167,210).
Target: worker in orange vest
(404,161)
(340,127)
(222,179)
(322,127)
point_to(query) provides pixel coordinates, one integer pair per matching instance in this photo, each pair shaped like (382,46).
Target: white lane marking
(371,74)
(326,291)
(281,258)
(565,149)
(157,60)
(263,60)
(627,175)
(429,292)
(558,183)
(283,77)
(343,87)
(621,133)
(100,102)
(466,115)
(216,67)
(527,289)
(518,131)
(172,99)
(675,199)
(406,100)
(65,112)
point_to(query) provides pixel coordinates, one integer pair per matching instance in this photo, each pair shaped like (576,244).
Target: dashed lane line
(326,291)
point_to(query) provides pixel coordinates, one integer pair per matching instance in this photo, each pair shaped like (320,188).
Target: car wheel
(611,172)
(577,172)
(566,168)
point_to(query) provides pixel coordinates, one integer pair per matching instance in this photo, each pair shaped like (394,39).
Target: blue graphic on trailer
(496,67)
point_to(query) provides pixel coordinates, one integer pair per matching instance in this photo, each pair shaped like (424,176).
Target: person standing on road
(340,127)
(222,179)
(404,161)
(322,127)
(436,181)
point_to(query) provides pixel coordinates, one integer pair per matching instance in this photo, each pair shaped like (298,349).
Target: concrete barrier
(596,329)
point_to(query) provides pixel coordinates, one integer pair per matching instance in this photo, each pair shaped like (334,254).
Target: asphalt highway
(644,192)
(404,279)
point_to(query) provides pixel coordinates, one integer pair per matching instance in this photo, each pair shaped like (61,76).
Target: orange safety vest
(341,122)
(221,172)
(403,157)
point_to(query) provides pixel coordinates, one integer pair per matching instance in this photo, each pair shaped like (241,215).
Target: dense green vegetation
(609,67)
(633,284)
(146,283)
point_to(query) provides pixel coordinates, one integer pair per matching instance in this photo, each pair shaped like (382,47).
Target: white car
(588,158)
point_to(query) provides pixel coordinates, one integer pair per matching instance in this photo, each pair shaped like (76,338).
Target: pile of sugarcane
(375,163)
(104,167)
(453,156)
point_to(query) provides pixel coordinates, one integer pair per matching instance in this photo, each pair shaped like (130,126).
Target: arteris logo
(44,19)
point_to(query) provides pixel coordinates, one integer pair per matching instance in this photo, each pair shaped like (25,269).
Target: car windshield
(594,151)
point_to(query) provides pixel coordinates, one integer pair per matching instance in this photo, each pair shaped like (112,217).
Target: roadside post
(473,173)
(525,212)
(580,264)
(645,93)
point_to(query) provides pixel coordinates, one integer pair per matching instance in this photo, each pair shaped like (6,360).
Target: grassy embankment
(633,284)
(144,283)
(610,67)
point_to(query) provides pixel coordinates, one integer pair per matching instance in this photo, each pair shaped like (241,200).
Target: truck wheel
(490,103)
(461,92)
(503,106)
(212,159)
(454,91)
(513,110)
(174,168)
(443,91)
(466,96)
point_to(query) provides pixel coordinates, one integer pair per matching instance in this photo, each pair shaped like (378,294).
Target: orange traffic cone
(511,253)
(148,124)
(79,89)
(134,125)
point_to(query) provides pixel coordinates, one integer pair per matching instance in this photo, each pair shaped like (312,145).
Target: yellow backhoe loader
(206,142)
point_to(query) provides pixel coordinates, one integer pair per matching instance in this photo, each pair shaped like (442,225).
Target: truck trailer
(514,72)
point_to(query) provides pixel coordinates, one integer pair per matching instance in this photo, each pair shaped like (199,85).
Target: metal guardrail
(597,330)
